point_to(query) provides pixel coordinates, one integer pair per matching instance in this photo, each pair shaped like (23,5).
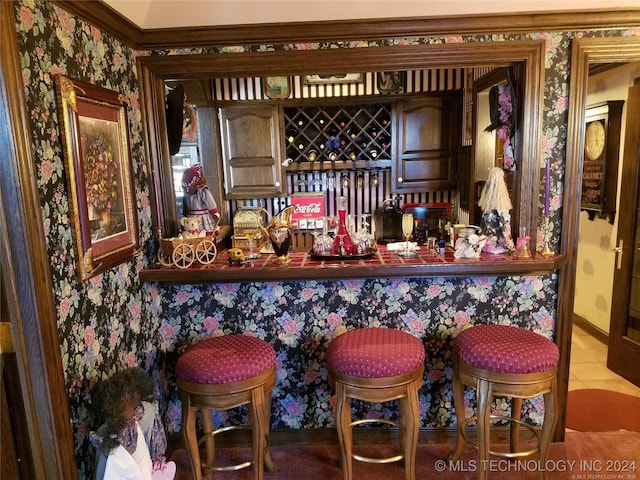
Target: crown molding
(108,20)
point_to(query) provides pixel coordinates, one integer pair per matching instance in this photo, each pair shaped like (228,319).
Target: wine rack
(345,136)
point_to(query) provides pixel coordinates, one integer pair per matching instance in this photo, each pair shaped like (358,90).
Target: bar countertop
(382,263)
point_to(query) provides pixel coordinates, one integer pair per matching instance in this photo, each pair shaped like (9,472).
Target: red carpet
(581,455)
(595,410)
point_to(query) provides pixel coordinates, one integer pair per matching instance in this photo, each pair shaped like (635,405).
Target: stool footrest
(361,458)
(524,453)
(226,468)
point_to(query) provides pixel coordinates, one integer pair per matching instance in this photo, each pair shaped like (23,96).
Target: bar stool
(503,361)
(377,365)
(221,373)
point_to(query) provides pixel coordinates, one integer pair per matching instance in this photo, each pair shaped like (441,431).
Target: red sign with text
(309,207)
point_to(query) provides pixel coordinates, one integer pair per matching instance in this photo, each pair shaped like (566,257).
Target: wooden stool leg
(259,435)
(207,427)
(458,403)
(484,424)
(269,465)
(190,437)
(514,436)
(343,424)
(409,415)
(548,425)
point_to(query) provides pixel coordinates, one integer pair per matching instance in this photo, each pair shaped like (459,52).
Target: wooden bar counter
(301,307)
(382,264)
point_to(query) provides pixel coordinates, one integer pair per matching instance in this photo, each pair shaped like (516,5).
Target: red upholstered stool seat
(504,349)
(377,365)
(225,359)
(375,353)
(501,360)
(220,373)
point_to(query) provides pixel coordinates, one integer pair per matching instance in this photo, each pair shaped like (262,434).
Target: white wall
(595,258)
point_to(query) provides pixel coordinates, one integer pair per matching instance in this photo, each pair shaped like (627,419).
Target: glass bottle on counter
(342,243)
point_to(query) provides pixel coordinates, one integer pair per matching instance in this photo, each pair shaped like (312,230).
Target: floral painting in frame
(99,174)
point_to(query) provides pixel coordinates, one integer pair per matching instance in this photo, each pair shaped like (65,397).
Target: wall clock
(603,122)
(594,139)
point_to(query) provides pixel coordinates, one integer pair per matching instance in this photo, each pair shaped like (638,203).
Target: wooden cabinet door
(427,139)
(252,151)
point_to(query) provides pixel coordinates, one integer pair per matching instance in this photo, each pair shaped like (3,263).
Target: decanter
(342,243)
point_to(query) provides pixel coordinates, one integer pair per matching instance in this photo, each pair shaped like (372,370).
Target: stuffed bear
(191,227)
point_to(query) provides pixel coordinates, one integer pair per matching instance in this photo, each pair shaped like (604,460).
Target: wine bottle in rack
(384,141)
(333,142)
(292,133)
(312,155)
(301,123)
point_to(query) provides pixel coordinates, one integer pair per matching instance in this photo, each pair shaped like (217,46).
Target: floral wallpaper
(102,323)
(114,320)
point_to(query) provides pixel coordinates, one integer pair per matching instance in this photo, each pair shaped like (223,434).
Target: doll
(496,219)
(130,440)
(198,200)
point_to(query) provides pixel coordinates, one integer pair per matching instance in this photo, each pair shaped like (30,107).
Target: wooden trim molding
(585,51)
(591,329)
(110,21)
(528,54)
(26,277)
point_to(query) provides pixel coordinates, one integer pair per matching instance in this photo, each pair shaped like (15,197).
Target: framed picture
(391,82)
(332,78)
(99,175)
(276,87)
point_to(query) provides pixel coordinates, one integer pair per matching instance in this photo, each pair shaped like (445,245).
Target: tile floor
(588,367)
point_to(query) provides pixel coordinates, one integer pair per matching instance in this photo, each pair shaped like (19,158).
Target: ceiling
(150,14)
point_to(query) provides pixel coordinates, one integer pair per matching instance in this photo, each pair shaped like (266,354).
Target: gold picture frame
(99,175)
(332,78)
(276,87)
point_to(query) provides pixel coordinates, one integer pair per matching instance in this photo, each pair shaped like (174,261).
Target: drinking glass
(407,229)
(252,231)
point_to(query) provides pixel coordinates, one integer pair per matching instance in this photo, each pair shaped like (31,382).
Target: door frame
(622,350)
(26,276)
(584,51)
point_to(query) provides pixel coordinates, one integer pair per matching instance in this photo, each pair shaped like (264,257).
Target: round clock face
(594,140)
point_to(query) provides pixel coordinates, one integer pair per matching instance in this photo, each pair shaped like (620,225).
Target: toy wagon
(183,251)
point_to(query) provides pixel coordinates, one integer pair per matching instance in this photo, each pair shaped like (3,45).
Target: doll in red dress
(198,200)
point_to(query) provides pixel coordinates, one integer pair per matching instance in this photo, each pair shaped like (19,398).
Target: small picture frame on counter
(276,87)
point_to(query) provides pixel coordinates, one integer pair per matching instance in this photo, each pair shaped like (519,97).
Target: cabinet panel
(251,149)
(427,132)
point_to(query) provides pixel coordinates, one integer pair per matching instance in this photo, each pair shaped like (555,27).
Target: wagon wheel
(183,255)
(163,259)
(206,251)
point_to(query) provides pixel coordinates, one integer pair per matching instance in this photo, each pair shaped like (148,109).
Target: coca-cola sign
(307,207)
